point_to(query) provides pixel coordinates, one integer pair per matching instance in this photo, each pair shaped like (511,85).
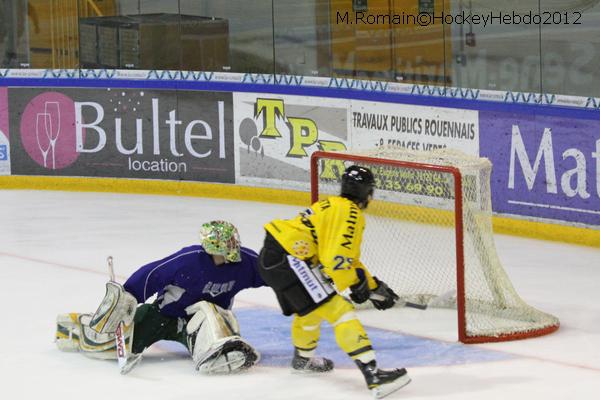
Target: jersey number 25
(342,262)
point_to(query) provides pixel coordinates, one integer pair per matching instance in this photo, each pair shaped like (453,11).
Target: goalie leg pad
(94,334)
(67,332)
(214,341)
(101,345)
(73,333)
(116,306)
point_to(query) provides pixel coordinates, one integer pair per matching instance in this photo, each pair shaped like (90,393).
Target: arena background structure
(250,136)
(125,123)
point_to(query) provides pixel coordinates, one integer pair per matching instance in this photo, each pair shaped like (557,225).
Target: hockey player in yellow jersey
(309,260)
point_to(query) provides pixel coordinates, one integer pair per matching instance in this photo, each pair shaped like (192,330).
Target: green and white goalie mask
(221,238)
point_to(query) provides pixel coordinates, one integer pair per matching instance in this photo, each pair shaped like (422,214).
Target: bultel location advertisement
(133,133)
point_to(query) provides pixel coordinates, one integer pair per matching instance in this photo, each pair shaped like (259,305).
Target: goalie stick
(121,351)
(119,336)
(111,270)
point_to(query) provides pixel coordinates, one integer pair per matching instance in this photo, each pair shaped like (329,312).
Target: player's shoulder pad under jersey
(320,205)
(246,251)
(345,206)
(333,202)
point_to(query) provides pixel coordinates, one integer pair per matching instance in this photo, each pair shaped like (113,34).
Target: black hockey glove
(359,292)
(383,297)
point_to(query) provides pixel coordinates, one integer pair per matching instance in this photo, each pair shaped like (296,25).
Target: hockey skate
(383,382)
(233,356)
(311,364)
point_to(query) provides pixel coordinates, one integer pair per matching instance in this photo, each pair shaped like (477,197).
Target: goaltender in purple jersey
(189,276)
(185,297)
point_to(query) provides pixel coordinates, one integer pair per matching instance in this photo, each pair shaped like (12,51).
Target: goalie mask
(221,238)
(358,184)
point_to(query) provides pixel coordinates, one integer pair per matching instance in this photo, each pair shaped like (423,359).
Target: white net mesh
(410,239)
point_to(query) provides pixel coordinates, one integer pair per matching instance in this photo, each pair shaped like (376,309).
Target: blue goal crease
(269,332)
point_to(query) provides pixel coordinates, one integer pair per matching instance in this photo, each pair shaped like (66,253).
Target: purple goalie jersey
(189,276)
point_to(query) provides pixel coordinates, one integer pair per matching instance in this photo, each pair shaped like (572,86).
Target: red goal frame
(459,234)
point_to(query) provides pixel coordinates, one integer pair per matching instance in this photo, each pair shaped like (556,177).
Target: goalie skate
(234,356)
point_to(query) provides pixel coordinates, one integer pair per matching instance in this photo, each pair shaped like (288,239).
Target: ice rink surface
(53,250)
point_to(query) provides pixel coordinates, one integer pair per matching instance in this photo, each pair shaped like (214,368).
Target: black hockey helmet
(358,184)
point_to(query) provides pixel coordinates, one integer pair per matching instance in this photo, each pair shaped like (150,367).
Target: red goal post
(488,307)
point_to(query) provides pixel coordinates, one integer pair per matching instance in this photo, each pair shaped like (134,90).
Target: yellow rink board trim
(156,187)
(502,225)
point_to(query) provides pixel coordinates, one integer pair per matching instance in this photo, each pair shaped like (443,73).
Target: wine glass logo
(42,121)
(52,109)
(48,130)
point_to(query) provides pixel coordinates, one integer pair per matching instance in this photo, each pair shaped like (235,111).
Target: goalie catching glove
(383,297)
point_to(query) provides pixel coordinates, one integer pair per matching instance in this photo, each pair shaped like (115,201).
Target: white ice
(53,247)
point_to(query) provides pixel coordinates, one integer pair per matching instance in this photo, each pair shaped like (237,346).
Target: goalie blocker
(211,334)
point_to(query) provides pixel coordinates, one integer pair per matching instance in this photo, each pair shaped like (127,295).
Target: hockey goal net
(429,236)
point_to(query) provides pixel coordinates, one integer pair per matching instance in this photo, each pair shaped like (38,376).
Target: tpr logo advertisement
(134,133)
(277,134)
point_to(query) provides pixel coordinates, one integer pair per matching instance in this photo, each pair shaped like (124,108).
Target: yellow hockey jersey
(330,233)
